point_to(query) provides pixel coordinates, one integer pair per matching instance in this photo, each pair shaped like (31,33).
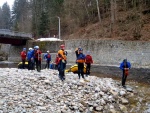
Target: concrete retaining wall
(104,52)
(112,52)
(52,46)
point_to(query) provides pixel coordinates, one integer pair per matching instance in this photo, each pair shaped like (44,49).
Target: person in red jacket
(37,57)
(23,55)
(56,62)
(88,62)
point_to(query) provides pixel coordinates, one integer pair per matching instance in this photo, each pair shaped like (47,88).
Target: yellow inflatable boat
(20,65)
(74,69)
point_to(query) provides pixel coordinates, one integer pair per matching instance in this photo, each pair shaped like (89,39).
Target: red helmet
(62,46)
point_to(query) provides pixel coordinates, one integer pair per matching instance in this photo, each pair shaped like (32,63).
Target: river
(140,102)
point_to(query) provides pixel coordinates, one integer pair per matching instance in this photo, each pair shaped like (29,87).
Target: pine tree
(5,16)
(21,15)
(44,25)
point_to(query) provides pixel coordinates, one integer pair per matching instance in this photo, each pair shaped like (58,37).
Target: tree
(49,9)
(99,16)
(5,16)
(44,25)
(21,15)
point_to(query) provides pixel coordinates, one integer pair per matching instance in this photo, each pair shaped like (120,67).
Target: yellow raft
(74,69)
(20,65)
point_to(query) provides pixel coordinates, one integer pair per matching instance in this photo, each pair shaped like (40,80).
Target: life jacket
(126,70)
(62,55)
(57,60)
(48,56)
(38,55)
(23,55)
(88,59)
(81,58)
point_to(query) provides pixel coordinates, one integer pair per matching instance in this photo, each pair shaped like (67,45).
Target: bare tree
(99,16)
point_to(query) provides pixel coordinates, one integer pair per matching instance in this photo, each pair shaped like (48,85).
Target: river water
(141,91)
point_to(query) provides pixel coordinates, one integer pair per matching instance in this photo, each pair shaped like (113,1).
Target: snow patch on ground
(49,39)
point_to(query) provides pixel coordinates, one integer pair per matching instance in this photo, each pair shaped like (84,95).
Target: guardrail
(14,33)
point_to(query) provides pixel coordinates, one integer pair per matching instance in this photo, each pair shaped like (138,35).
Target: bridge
(14,38)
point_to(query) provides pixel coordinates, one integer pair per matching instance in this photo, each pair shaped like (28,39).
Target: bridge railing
(14,33)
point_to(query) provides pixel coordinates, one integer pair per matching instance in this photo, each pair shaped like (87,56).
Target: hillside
(126,27)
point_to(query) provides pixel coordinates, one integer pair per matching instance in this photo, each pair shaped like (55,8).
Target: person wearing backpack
(125,66)
(88,62)
(47,57)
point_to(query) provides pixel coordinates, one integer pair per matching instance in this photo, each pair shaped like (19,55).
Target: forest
(84,19)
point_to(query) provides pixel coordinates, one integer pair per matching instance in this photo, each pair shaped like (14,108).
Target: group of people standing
(34,60)
(33,57)
(81,59)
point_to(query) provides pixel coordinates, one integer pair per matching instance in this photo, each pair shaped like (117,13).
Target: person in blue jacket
(30,58)
(80,61)
(125,66)
(47,57)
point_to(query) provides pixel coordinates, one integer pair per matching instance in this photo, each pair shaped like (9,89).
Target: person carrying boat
(125,66)
(23,55)
(88,62)
(47,57)
(62,62)
(80,61)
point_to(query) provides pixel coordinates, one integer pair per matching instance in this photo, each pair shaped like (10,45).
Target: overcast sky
(10,2)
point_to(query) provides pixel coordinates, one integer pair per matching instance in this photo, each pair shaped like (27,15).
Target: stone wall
(14,53)
(4,51)
(52,46)
(104,52)
(112,52)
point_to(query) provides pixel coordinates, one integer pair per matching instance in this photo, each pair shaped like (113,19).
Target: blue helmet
(80,49)
(36,47)
(24,49)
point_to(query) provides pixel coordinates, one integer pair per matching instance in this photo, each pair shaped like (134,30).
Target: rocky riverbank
(32,92)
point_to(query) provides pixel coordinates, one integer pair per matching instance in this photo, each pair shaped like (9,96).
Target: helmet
(88,52)
(36,47)
(30,48)
(80,49)
(24,49)
(62,46)
(48,51)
